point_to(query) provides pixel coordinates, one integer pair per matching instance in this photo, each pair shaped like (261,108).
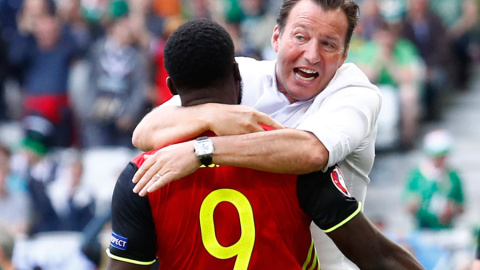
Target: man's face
(47,32)
(310,50)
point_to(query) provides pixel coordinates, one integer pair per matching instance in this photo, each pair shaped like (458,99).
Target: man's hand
(166,165)
(237,120)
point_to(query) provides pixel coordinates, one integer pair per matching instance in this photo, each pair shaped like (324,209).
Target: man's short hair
(349,7)
(198,54)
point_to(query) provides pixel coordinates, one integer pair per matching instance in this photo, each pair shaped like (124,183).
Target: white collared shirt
(343,116)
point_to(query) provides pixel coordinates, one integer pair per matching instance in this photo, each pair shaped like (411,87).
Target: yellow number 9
(244,247)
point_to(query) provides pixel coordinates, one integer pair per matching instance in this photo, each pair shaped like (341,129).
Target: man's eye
(300,37)
(329,46)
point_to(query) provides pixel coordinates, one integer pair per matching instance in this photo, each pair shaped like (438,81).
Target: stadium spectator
(149,30)
(44,53)
(168,8)
(428,33)
(370,19)
(7,243)
(258,19)
(14,201)
(160,93)
(117,86)
(392,62)
(70,15)
(38,167)
(460,18)
(3,76)
(433,191)
(72,201)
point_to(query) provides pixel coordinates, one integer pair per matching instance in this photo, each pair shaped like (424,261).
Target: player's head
(199,58)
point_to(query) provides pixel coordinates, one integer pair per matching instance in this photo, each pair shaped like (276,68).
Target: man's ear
(171,86)
(275,36)
(236,72)
(345,55)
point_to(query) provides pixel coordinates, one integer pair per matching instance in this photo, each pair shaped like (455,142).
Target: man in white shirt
(330,108)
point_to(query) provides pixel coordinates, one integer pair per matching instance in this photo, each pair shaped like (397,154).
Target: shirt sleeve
(326,199)
(344,121)
(133,238)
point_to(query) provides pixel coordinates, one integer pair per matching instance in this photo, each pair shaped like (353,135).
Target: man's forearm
(279,151)
(166,125)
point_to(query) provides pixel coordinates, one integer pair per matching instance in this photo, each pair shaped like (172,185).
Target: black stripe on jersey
(132,218)
(322,201)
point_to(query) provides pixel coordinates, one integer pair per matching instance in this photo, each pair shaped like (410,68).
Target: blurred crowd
(77,75)
(417,52)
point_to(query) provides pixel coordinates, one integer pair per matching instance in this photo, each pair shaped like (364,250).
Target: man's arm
(369,248)
(167,125)
(286,151)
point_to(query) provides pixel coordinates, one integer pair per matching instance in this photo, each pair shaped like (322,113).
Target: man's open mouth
(305,74)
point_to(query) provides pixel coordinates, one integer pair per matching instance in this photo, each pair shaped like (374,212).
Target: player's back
(232,218)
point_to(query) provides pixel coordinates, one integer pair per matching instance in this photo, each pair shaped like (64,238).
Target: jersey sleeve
(133,238)
(325,198)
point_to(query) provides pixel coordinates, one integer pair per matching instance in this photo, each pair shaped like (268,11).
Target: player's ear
(171,86)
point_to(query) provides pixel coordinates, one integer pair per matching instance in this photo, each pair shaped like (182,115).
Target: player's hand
(238,119)
(166,165)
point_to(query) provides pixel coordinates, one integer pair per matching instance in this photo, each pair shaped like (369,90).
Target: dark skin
(358,239)
(366,246)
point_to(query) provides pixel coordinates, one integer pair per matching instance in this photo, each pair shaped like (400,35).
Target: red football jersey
(227,218)
(231,218)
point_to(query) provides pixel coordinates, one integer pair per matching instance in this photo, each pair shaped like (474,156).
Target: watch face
(203,148)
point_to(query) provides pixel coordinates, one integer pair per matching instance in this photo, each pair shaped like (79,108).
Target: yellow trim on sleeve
(312,252)
(359,209)
(115,257)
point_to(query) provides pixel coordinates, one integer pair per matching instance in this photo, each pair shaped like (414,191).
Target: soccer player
(228,217)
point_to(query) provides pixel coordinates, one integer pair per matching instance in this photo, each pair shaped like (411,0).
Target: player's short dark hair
(198,54)
(349,7)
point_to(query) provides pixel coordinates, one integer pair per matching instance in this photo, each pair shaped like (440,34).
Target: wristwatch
(204,149)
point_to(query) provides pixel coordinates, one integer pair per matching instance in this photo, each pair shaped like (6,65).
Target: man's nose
(312,52)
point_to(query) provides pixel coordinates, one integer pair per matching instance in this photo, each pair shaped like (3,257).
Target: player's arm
(326,199)
(133,239)
(279,151)
(167,124)
(369,248)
